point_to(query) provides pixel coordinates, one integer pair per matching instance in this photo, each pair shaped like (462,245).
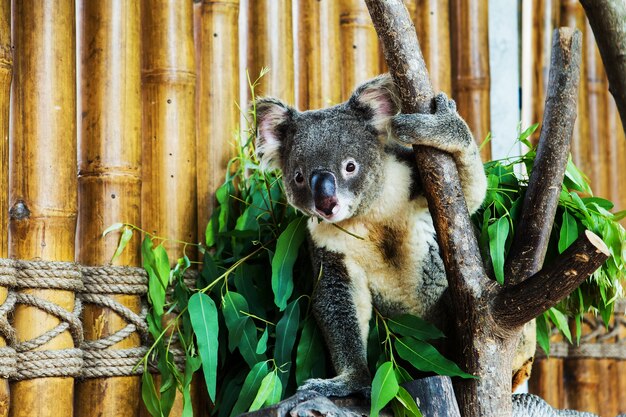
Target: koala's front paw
(444,129)
(340,386)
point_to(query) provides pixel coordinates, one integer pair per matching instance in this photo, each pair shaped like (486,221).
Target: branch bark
(519,304)
(529,248)
(607,18)
(485,346)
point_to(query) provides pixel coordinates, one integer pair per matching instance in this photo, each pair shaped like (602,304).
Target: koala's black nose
(323,187)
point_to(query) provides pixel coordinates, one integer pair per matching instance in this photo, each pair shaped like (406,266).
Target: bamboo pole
(598,135)
(432,22)
(470,66)
(546,381)
(168,91)
(43,179)
(545,21)
(359,42)
(218,94)
(270,44)
(168,195)
(109,178)
(573,15)
(582,376)
(620,320)
(6,69)
(318,43)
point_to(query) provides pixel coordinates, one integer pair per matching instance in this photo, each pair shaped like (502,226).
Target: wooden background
(127,111)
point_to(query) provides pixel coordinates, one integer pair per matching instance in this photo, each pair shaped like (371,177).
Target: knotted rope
(99,284)
(8,360)
(33,363)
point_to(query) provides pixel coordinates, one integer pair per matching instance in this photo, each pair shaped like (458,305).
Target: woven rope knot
(8,361)
(99,284)
(34,363)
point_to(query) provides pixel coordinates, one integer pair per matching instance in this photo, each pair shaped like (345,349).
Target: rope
(100,283)
(33,363)
(8,360)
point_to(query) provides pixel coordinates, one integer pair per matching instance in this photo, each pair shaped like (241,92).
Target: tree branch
(529,247)
(437,169)
(607,18)
(519,304)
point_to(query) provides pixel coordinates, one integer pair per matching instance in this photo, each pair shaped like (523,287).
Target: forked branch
(519,304)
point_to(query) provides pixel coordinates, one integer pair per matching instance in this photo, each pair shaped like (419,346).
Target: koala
(349,168)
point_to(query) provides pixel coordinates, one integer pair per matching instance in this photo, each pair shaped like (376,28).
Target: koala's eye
(299,177)
(350,167)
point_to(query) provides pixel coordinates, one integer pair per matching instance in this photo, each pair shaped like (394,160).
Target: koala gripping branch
(489,316)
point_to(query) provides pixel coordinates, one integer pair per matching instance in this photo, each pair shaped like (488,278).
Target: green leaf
(192,364)
(124,239)
(560,321)
(498,233)
(569,231)
(286,330)
(573,174)
(282,263)
(162,264)
(425,357)
(112,228)
(408,402)
(156,291)
(267,391)
(409,325)
(384,388)
(247,341)
(250,387)
(310,353)
(232,305)
(261,347)
(543,333)
(203,314)
(149,395)
(523,137)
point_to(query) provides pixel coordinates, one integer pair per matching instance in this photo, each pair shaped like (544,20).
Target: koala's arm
(335,310)
(447,131)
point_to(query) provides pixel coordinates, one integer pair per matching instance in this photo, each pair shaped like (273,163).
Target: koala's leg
(336,305)
(447,131)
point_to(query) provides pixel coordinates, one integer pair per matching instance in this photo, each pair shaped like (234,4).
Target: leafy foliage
(577,211)
(247,322)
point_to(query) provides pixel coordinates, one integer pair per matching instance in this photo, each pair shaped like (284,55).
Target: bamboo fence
(43,186)
(168,88)
(109,179)
(6,68)
(151,126)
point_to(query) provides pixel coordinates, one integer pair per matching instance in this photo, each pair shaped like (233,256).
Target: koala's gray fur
(349,165)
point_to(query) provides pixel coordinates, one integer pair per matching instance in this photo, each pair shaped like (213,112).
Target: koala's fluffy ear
(272,118)
(378,101)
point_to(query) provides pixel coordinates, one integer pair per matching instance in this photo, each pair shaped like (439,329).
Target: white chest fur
(385,262)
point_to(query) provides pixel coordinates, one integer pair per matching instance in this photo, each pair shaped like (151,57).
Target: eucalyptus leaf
(569,231)
(286,330)
(284,258)
(408,402)
(498,233)
(203,314)
(310,353)
(384,388)
(112,228)
(409,325)
(266,391)
(560,321)
(149,395)
(425,357)
(543,333)
(249,389)
(261,347)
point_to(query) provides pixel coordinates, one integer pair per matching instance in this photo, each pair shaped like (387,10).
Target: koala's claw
(339,386)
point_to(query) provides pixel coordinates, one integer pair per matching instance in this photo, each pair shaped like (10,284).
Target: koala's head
(331,159)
